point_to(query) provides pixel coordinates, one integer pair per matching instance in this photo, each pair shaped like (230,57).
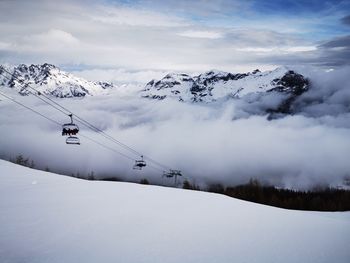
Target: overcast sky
(181,35)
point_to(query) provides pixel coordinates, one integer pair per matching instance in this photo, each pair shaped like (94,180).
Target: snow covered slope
(52,218)
(214,85)
(49,79)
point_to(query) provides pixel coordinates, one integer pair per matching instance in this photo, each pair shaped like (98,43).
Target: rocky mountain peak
(50,80)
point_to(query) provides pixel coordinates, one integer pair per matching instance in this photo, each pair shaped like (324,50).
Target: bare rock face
(291,82)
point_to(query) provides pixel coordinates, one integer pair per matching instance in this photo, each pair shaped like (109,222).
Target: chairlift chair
(139,164)
(73,140)
(70,128)
(167,174)
(175,172)
(171,174)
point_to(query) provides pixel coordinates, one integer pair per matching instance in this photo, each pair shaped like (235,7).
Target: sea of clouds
(227,142)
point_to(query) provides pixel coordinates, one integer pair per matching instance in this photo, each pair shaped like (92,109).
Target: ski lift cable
(59,124)
(41,98)
(107,147)
(96,129)
(66,111)
(113,150)
(84,136)
(38,94)
(84,122)
(107,136)
(36,112)
(157,163)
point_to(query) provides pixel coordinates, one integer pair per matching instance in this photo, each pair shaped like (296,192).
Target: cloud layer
(226,143)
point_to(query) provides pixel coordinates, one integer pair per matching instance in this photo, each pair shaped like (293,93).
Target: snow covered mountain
(207,87)
(49,80)
(214,85)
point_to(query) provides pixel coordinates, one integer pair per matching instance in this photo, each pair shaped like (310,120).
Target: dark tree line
(326,199)
(19,159)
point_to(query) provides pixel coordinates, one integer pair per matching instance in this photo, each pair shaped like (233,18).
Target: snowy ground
(52,218)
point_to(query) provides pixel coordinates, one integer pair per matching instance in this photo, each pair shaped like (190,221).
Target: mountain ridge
(50,80)
(255,89)
(213,85)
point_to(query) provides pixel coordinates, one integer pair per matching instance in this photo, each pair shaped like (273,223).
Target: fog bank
(223,142)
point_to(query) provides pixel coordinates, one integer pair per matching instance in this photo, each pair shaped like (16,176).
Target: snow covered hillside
(49,79)
(52,218)
(214,85)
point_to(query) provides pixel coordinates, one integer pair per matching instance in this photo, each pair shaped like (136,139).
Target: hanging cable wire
(55,122)
(28,108)
(87,124)
(66,111)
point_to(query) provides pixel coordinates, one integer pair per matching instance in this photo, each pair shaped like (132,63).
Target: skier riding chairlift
(70,128)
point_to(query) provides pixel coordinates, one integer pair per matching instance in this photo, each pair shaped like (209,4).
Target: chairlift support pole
(71,118)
